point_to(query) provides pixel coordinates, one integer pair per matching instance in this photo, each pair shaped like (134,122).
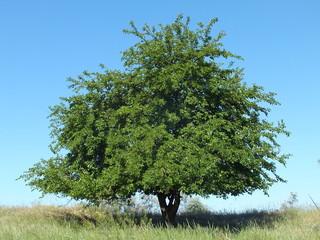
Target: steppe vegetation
(93,223)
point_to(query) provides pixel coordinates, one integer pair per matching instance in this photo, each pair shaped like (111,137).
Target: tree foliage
(179,118)
(196,207)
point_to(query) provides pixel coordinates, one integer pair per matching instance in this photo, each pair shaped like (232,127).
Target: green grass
(79,222)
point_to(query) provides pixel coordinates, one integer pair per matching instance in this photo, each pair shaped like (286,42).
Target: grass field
(88,223)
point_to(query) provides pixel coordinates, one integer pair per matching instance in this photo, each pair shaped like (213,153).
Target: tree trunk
(169,209)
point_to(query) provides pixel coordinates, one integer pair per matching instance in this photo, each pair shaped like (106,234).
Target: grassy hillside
(79,222)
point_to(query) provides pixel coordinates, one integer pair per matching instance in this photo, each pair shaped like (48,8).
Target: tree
(195,206)
(176,119)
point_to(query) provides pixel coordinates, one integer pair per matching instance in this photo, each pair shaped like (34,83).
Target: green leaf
(178,118)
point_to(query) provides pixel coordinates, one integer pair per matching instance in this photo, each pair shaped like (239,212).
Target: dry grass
(79,222)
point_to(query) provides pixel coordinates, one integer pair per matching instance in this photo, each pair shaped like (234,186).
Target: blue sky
(42,43)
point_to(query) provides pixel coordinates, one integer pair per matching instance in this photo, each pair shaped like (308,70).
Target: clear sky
(42,43)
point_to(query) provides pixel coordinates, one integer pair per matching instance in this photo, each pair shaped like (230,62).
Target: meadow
(91,223)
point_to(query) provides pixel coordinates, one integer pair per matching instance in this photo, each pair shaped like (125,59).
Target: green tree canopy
(176,119)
